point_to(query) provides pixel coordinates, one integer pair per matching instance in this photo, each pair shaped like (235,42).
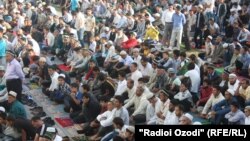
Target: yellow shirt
(151,33)
(245,92)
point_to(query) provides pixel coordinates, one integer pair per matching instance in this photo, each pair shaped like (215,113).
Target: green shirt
(17,110)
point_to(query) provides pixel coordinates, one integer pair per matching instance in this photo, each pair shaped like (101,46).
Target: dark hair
(86,87)
(247,81)
(207,81)
(176,52)
(52,67)
(183,54)
(101,77)
(87,95)
(10,118)
(3,115)
(180,106)
(193,57)
(217,87)
(191,66)
(135,64)
(122,73)
(235,104)
(131,81)
(119,98)
(35,118)
(74,85)
(96,69)
(118,121)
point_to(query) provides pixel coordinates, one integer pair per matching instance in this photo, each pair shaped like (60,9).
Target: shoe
(36,108)
(66,109)
(49,121)
(80,131)
(41,114)
(52,58)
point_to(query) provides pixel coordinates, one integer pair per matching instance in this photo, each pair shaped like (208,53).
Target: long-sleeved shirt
(104,116)
(135,76)
(245,59)
(237,117)
(54,81)
(167,16)
(121,88)
(212,101)
(151,112)
(90,23)
(79,21)
(171,119)
(183,95)
(111,53)
(3,46)
(140,104)
(50,39)
(178,20)
(14,70)
(247,120)
(243,36)
(17,110)
(122,113)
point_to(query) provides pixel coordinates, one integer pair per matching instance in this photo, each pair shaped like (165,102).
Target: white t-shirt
(211,8)
(195,80)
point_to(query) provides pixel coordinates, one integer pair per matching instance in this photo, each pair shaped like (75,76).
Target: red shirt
(129,44)
(205,94)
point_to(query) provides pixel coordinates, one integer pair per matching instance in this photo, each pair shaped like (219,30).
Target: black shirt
(24,124)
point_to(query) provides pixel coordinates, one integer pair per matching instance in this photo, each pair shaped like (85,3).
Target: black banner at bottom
(206,132)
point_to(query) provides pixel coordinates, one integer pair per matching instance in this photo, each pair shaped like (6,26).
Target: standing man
(3,46)
(14,74)
(178,20)
(199,26)
(167,21)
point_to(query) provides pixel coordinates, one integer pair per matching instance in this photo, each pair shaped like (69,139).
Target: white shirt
(183,95)
(164,110)
(103,117)
(146,71)
(140,104)
(54,81)
(135,76)
(121,88)
(92,46)
(212,101)
(195,80)
(137,60)
(171,119)
(79,21)
(167,16)
(247,120)
(131,92)
(111,52)
(123,22)
(234,86)
(116,20)
(211,8)
(50,39)
(67,18)
(151,116)
(35,47)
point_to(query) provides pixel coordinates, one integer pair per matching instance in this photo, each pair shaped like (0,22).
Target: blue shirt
(3,46)
(14,70)
(245,59)
(178,20)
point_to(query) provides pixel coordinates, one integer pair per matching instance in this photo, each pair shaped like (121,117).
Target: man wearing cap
(173,81)
(3,46)
(178,20)
(236,55)
(164,107)
(3,89)
(209,46)
(233,82)
(217,56)
(16,108)
(124,63)
(131,42)
(223,107)
(152,109)
(161,79)
(186,119)
(14,74)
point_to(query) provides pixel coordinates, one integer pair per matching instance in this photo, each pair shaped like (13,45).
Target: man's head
(216,90)
(51,70)
(232,78)
(118,101)
(36,121)
(85,88)
(61,79)
(12,96)
(130,83)
(133,67)
(121,75)
(247,111)
(229,93)
(234,106)
(179,109)
(139,91)
(10,55)
(186,119)
(86,98)
(74,87)
(163,95)
(244,83)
